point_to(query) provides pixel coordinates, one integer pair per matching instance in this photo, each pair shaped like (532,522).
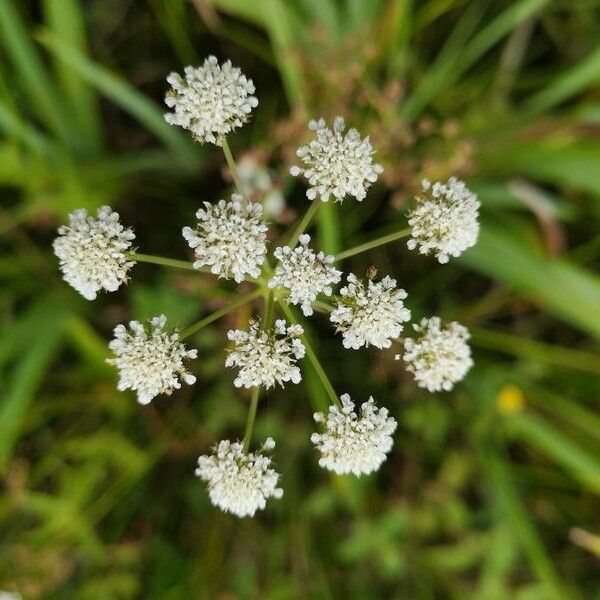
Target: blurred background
(491,491)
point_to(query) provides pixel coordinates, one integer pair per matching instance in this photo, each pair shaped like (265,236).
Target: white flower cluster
(438,356)
(304,274)
(445,220)
(371,315)
(150,360)
(239,482)
(92,252)
(354,443)
(211,100)
(266,357)
(230,238)
(337,164)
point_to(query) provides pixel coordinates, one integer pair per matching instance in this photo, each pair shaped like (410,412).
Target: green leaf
(279,22)
(552,443)
(29,69)
(44,335)
(124,95)
(574,80)
(65,20)
(561,288)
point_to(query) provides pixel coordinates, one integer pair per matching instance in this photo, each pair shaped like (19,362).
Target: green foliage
(492,491)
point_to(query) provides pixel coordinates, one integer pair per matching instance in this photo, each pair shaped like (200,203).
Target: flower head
(230,238)
(211,100)
(438,356)
(238,482)
(354,443)
(150,360)
(371,315)
(445,220)
(304,274)
(266,357)
(337,164)
(93,251)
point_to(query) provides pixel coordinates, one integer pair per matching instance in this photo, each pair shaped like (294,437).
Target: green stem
(219,313)
(380,241)
(269,307)
(233,167)
(160,260)
(304,223)
(251,418)
(314,361)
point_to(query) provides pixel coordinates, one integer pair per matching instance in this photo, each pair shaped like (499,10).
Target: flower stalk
(269,309)
(304,223)
(380,241)
(233,167)
(217,314)
(314,361)
(161,260)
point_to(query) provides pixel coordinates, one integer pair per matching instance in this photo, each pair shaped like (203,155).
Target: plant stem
(269,306)
(314,361)
(160,260)
(219,313)
(233,167)
(380,241)
(304,223)
(251,417)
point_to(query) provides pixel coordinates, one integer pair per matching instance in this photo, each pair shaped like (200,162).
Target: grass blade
(534,431)
(122,94)
(27,376)
(561,288)
(65,20)
(29,68)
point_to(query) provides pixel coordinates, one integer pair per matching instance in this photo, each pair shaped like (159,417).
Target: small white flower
(266,357)
(354,443)
(150,360)
(371,315)
(337,164)
(230,238)
(92,251)
(445,220)
(238,482)
(438,356)
(304,274)
(211,100)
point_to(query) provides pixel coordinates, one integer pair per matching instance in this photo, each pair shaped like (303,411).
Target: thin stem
(314,361)
(160,260)
(380,241)
(251,417)
(269,306)
(232,166)
(304,223)
(219,313)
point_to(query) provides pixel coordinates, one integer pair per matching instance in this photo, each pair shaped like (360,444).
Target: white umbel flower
(354,443)
(337,164)
(150,360)
(238,482)
(211,100)
(93,251)
(371,315)
(266,357)
(438,356)
(445,220)
(230,238)
(304,274)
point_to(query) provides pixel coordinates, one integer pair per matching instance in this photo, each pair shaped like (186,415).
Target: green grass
(481,497)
